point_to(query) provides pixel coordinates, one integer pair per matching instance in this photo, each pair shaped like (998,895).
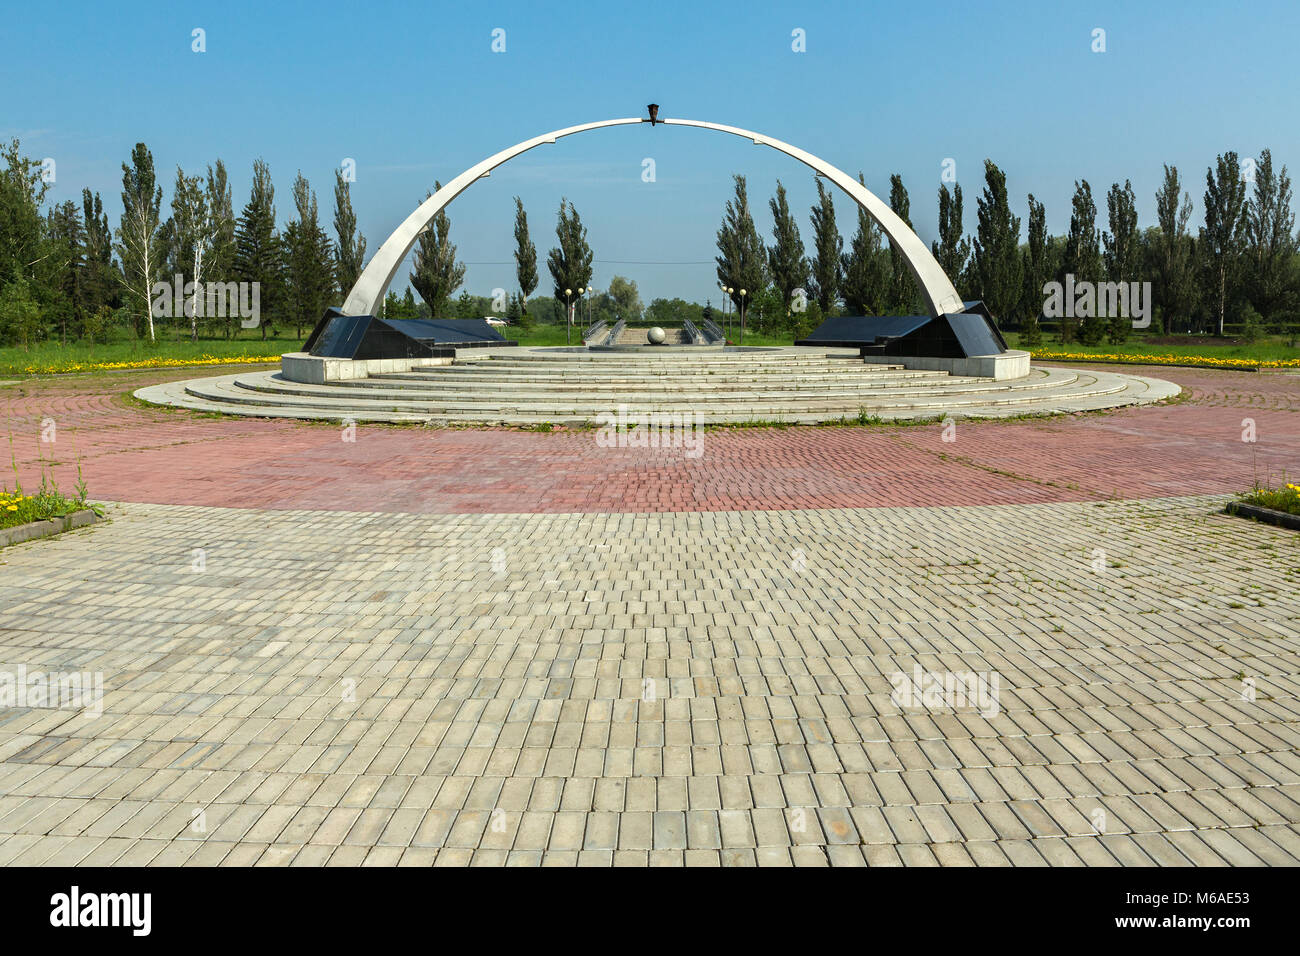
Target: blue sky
(414,93)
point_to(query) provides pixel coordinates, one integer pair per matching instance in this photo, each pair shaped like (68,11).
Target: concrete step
(388,390)
(528,386)
(671,382)
(655,371)
(694,355)
(222,395)
(246,389)
(656,367)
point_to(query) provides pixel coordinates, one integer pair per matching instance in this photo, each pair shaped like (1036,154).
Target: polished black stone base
(367,337)
(957,335)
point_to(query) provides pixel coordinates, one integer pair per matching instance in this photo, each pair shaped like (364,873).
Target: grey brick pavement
(700,689)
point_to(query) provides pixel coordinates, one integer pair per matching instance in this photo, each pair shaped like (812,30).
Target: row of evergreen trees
(1242,267)
(438,274)
(65,274)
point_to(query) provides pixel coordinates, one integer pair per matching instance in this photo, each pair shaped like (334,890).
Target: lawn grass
(170,350)
(174,349)
(759,338)
(541,334)
(1171,350)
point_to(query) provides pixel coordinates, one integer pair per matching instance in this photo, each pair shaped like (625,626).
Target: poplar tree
(97,255)
(437,273)
(827,264)
(865,269)
(570,261)
(1271,242)
(1123,251)
(1175,285)
(997,246)
(741,259)
(220,264)
(951,249)
(525,257)
(1036,272)
(785,258)
(350,250)
(904,297)
(310,259)
(1081,258)
(1222,239)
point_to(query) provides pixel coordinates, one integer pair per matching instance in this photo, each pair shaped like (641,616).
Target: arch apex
(367,296)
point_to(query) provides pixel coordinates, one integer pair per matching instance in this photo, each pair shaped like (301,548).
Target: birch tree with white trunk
(191,232)
(138,235)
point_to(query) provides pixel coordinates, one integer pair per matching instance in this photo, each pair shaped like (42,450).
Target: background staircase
(637,336)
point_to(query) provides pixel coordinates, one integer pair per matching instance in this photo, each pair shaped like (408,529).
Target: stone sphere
(656,336)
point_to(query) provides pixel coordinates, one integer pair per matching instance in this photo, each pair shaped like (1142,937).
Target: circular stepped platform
(561,386)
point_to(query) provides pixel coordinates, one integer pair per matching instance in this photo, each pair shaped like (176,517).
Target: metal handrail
(715,331)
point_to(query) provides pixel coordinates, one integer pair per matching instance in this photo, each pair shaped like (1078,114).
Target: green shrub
(1252,326)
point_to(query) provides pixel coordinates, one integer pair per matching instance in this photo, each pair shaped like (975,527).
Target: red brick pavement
(128,453)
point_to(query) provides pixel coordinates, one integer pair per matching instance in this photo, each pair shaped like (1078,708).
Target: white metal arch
(367,296)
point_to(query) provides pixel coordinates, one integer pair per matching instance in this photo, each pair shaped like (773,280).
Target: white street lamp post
(568,316)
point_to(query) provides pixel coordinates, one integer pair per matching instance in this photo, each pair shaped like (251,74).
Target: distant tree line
(1241,269)
(65,274)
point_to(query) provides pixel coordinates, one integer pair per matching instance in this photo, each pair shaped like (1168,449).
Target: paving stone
(773,740)
(669,830)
